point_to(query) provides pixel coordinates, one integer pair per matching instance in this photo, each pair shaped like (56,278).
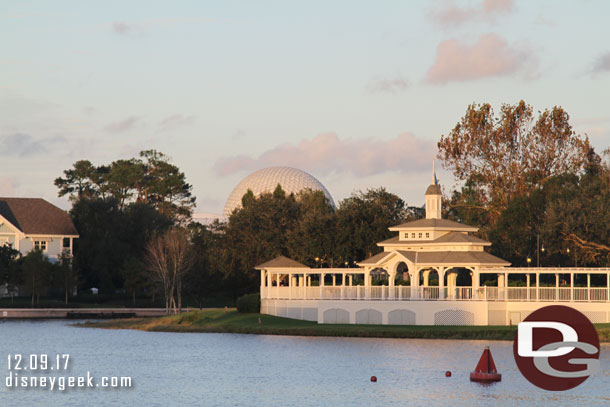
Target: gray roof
(280,262)
(451,237)
(478,258)
(435,223)
(458,258)
(374,259)
(35,216)
(455,237)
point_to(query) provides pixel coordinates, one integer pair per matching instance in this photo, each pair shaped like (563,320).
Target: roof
(451,237)
(454,258)
(434,189)
(435,223)
(374,259)
(280,262)
(35,216)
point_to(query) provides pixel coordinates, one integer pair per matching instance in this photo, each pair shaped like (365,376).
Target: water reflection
(247,370)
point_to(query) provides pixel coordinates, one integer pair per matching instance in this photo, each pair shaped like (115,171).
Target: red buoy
(486,371)
(447,373)
(373,379)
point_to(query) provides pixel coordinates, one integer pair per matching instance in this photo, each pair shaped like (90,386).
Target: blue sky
(356,93)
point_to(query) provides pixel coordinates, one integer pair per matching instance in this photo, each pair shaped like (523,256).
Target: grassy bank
(219,321)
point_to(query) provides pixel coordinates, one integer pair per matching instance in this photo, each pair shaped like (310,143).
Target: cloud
(122,28)
(124,125)
(388,85)
(602,64)
(450,15)
(24,145)
(128,28)
(490,56)
(327,153)
(174,121)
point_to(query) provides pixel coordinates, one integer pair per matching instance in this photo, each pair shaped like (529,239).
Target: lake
(178,369)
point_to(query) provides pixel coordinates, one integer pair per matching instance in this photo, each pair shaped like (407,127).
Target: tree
(254,234)
(65,274)
(151,179)
(314,233)
(363,220)
(164,186)
(36,274)
(169,257)
(134,276)
(81,181)
(205,277)
(109,236)
(9,275)
(508,156)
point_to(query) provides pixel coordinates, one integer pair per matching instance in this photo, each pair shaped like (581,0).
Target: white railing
(405,293)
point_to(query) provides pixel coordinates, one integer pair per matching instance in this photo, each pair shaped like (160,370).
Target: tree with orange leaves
(501,157)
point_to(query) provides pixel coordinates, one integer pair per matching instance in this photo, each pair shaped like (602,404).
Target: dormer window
(40,245)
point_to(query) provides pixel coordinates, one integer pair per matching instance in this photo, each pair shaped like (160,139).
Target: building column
(476,278)
(263,290)
(391,278)
(290,277)
(527,285)
(334,280)
(589,287)
(414,277)
(441,283)
(426,276)
(367,283)
(556,286)
(537,286)
(572,286)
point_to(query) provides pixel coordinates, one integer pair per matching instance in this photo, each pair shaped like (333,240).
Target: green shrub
(249,303)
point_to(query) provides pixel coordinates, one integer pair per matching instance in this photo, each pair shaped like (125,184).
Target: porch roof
(280,262)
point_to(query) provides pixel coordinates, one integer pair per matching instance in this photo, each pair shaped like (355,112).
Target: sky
(356,93)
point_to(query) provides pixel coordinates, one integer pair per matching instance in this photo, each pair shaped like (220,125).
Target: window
(420,235)
(66,243)
(412,235)
(427,235)
(406,235)
(40,245)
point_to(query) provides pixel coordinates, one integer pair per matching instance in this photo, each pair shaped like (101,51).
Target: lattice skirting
(454,317)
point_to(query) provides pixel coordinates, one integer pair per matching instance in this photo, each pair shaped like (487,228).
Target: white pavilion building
(443,264)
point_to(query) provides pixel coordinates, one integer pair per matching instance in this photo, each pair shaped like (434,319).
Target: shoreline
(219,321)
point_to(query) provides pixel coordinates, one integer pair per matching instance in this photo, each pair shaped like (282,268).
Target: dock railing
(407,293)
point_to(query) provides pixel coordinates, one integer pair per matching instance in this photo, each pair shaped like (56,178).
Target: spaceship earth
(292,180)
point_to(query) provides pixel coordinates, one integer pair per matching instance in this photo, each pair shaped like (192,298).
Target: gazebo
(434,268)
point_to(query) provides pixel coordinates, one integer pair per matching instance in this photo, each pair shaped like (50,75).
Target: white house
(28,223)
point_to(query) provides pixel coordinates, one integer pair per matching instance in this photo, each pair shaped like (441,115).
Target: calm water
(170,369)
